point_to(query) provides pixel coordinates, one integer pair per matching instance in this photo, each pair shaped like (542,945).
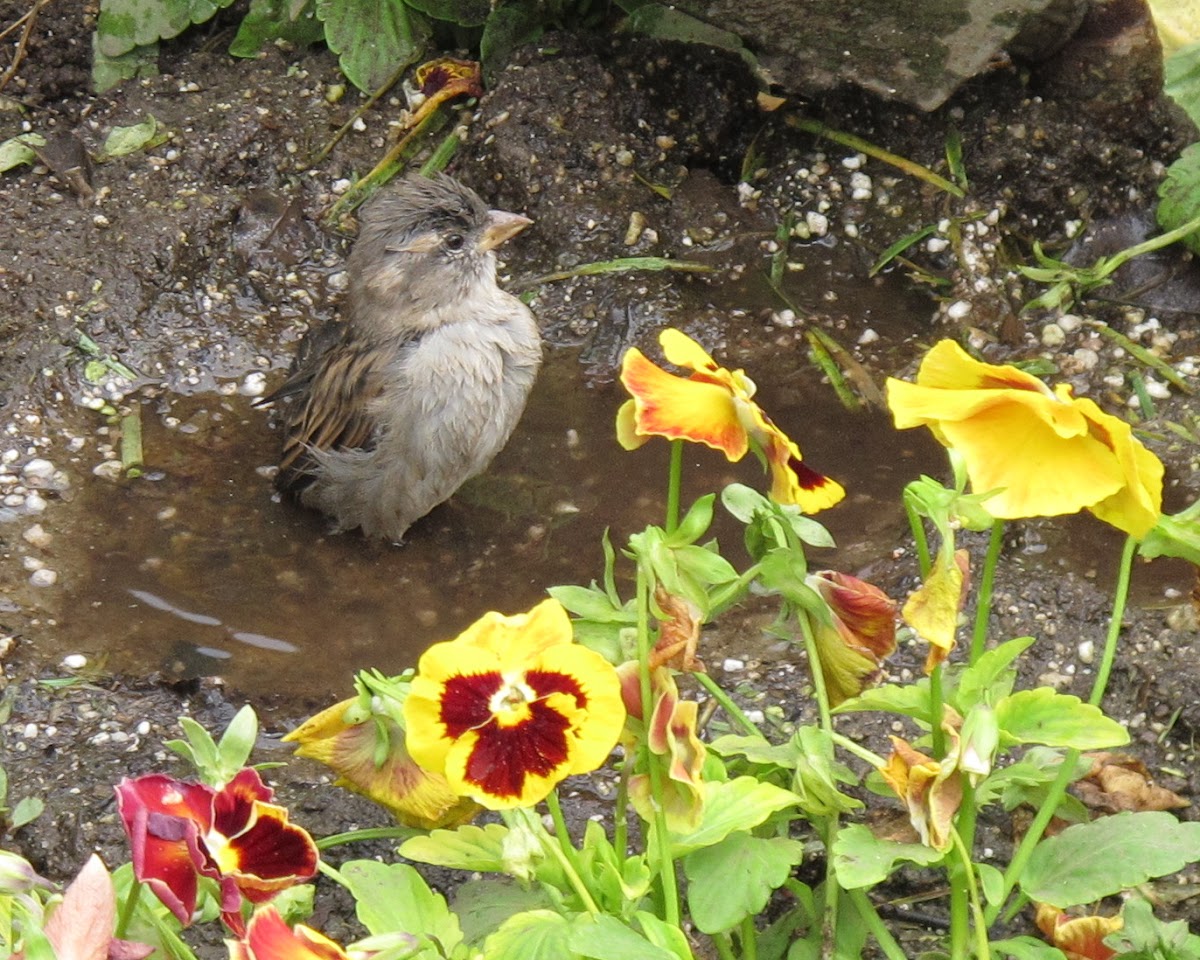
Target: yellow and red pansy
(860,635)
(1046,452)
(714,406)
(179,831)
(512,706)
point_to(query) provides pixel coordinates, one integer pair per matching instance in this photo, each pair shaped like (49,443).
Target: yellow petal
(627,435)
(1137,506)
(681,409)
(932,609)
(792,481)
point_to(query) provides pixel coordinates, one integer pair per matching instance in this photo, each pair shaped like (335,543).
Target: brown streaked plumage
(390,411)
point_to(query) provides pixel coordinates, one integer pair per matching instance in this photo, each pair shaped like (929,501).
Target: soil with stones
(201,262)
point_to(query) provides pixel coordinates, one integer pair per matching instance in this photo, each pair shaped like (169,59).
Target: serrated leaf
(909,700)
(1090,861)
(734,879)
(1179,195)
(125,24)
(372,38)
(739,804)
(1058,720)
(1026,948)
(463,13)
(483,905)
(393,898)
(863,859)
(270,20)
(533,935)
(467,848)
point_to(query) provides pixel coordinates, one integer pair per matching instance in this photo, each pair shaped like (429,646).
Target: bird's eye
(455,242)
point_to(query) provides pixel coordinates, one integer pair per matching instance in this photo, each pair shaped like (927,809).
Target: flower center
(510,703)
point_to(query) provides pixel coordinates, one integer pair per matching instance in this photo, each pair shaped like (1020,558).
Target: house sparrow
(420,387)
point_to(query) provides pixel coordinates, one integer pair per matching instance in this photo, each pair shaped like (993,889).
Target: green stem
(332,873)
(732,593)
(168,938)
(674,477)
(724,944)
(732,709)
(621,806)
(552,847)
(982,951)
(1033,835)
(749,938)
(936,709)
(872,921)
(858,750)
(368,833)
(128,908)
(919,539)
(983,604)
(442,155)
(561,833)
(829,919)
(666,863)
(1120,597)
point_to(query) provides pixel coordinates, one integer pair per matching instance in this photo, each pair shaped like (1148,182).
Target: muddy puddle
(196,569)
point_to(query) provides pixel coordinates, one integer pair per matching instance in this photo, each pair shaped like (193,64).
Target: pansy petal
(627,435)
(932,609)
(682,409)
(371,758)
(1137,506)
(862,633)
(269,938)
(268,855)
(947,366)
(1079,938)
(793,482)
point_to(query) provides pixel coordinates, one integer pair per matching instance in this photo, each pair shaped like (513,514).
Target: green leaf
(734,879)
(909,700)
(467,848)
(592,603)
(992,676)
(1177,535)
(863,860)
(26,811)
(665,935)
(107,71)
(510,27)
(126,140)
(1057,720)
(991,883)
(534,935)
(238,739)
(125,24)
(1090,861)
(695,522)
(372,38)
(18,150)
(483,905)
(1182,80)
(739,804)
(464,13)
(1179,195)
(271,20)
(1027,948)
(1145,937)
(603,937)
(393,898)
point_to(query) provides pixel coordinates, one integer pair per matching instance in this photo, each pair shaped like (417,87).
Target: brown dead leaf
(1118,782)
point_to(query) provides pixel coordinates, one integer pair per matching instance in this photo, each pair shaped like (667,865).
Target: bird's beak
(501,226)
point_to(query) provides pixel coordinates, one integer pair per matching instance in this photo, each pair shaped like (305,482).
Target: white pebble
(958,309)
(35,503)
(37,536)
(43,578)
(1086,358)
(817,223)
(1157,389)
(30,731)
(143,728)
(867,336)
(1053,335)
(854,162)
(1070,322)
(32,563)
(255,384)
(936,244)
(38,468)
(108,470)
(1087,651)
(731,664)
(74,661)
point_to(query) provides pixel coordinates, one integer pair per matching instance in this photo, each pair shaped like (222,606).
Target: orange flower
(268,937)
(932,791)
(714,406)
(1046,452)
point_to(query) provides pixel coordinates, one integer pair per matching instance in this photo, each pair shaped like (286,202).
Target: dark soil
(203,261)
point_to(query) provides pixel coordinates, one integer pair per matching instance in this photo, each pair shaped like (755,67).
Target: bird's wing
(331,407)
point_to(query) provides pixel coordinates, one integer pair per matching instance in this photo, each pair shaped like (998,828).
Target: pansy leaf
(592,603)
(758,750)
(1177,535)
(665,935)
(739,804)
(1056,719)
(991,676)
(238,739)
(704,566)
(785,572)
(19,149)
(601,937)
(1026,948)
(864,860)
(467,848)
(744,502)
(734,879)
(394,898)
(372,40)
(909,700)
(695,522)
(532,935)
(483,905)
(1090,861)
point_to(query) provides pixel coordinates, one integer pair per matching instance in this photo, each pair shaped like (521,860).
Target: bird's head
(426,244)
